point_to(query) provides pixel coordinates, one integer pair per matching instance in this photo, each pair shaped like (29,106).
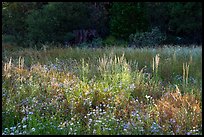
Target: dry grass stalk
(185,74)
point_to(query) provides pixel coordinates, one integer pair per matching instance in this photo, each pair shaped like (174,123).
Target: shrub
(97,42)
(151,39)
(8,39)
(180,112)
(110,40)
(69,38)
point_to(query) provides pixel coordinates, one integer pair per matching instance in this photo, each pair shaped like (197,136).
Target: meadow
(102,91)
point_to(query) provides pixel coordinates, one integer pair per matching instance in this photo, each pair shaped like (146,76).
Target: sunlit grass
(102,91)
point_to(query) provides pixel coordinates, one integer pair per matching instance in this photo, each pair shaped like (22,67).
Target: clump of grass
(114,69)
(185,74)
(155,66)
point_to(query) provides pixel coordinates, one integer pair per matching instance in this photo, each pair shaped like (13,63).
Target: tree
(186,21)
(158,15)
(177,19)
(128,18)
(13,18)
(58,19)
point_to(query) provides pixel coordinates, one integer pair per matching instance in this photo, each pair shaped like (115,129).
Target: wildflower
(134,113)
(172,121)
(125,129)
(155,127)
(33,129)
(98,121)
(141,129)
(24,126)
(94,131)
(90,120)
(132,86)
(194,131)
(72,119)
(188,133)
(126,126)
(105,90)
(71,123)
(12,128)
(178,128)
(109,129)
(30,113)
(147,97)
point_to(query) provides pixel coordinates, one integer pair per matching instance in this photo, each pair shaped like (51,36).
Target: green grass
(101,91)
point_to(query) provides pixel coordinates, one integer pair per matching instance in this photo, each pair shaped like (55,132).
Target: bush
(150,39)
(8,39)
(69,36)
(178,111)
(109,41)
(112,41)
(97,42)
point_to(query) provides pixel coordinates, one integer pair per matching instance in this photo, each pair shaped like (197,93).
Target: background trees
(57,20)
(181,21)
(128,18)
(39,22)
(14,16)
(186,21)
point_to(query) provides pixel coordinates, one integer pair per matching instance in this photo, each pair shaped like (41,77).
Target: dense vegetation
(30,23)
(102,91)
(104,68)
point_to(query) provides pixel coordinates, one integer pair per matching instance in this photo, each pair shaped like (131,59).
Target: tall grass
(102,91)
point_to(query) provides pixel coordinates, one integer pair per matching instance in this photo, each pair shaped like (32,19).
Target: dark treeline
(29,23)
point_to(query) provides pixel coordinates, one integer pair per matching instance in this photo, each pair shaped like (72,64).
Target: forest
(103,23)
(101,68)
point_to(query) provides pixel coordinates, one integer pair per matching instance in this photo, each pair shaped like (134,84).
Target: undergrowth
(102,91)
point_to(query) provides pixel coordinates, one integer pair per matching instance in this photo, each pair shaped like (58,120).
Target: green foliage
(8,39)
(128,18)
(14,16)
(109,41)
(149,39)
(69,36)
(60,93)
(97,42)
(56,21)
(159,15)
(13,19)
(186,21)
(31,23)
(177,19)
(43,24)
